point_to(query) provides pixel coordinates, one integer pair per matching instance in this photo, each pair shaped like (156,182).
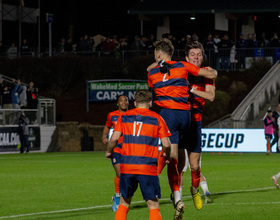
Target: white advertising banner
(234,140)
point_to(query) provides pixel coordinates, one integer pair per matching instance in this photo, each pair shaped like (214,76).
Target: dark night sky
(92,17)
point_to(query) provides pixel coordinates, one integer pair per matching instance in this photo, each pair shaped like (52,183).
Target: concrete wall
(69,134)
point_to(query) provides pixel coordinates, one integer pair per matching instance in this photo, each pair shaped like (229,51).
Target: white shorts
(187,164)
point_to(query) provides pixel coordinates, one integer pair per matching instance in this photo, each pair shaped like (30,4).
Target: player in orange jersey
(201,89)
(169,81)
(141,129)
(122,103)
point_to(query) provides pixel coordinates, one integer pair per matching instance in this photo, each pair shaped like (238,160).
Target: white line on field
(136,202)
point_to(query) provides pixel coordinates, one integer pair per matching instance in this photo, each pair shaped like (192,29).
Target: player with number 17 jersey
(141,129)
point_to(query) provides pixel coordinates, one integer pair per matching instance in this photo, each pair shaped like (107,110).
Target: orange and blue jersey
(141,129)
(111,122)
(197,103)
(172,90)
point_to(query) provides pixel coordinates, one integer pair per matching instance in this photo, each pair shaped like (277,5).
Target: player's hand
(193,89)
(166,158)
(105,140)
(108,155)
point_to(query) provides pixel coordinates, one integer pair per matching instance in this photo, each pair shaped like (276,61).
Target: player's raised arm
(208,73)
(151,66)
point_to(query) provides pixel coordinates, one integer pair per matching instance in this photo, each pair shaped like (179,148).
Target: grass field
(80,186)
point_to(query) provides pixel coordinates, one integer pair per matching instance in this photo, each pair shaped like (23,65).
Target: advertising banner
(109,91)
(9,138)
(232,140)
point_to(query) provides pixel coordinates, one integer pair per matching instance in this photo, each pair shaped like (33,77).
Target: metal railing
(43,115)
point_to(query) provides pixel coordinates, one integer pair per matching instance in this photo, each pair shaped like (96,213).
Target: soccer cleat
(196,200)
(116,203)
(179,210)
(275,181)
(207,197)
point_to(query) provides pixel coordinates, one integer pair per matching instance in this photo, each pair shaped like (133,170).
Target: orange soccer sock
(268,147)
(154,214)
(117,184)
(173,175)
(161,163)
(195,178)
(121,213)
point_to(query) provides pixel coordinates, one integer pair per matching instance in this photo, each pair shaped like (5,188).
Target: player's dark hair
(194,45)
(143,96)
(165,45)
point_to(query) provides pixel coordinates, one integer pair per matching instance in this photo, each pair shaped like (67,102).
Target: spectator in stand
(86,44)
(68,45)
(249,41)
(12,51)
(23,97)
(195,37)
(150,42)
(108,46)
(25,49)
(264,42)
(241,45)
(274,42)
(217,58)
(224,49)
(16,89)
(61,45)
(255,41)
(6,97)
(208,45)
(123,44)
(188,39)
(7,103)
(32,96)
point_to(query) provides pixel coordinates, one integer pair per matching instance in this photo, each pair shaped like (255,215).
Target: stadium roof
(204,6)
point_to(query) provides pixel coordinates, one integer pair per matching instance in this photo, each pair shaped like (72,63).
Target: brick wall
(69,134)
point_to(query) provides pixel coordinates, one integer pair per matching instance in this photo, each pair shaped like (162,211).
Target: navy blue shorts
(116,157)
(149,186)
(268,136)
(193,141)
(178,123)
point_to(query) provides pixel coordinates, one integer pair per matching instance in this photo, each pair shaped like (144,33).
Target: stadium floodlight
(192,16)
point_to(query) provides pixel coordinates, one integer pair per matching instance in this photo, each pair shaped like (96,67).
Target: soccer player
(201,89)
(169,81)
(112,117)
(275,179)
(268,130)
(141,129)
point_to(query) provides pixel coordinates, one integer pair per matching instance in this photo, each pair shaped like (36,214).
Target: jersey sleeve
(163,129)
(193,69)
(108,121)
(149,82)
(119,126)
